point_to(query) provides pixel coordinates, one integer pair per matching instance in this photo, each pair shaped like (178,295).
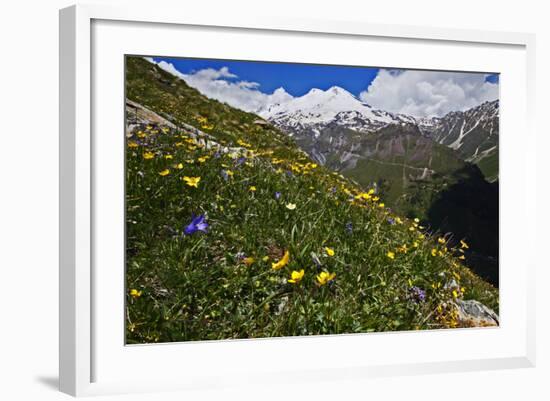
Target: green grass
(198,287)
(489,167)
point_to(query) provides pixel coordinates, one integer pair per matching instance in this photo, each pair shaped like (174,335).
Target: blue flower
(197,224)
(417,294)
(391,221)
(277,195)
(240,161)
(349,227)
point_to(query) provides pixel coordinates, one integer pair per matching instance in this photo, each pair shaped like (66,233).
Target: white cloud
(427,93)
(416,93)
(223,85)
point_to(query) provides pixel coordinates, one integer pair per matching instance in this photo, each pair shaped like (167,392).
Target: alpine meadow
(308,212)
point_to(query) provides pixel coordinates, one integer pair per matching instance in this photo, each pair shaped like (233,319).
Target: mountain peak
(338,90)
(332,91)
(314,91)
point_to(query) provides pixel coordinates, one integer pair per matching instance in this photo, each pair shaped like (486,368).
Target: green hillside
(489,166)
(409,168)
(279,246)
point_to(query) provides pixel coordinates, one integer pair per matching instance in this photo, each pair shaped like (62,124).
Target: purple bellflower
(197,224)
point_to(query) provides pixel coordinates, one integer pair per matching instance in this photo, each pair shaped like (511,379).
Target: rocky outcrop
(472,313)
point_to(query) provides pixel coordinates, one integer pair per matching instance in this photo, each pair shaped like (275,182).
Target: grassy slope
(398,172)
(197,287)
(489,167)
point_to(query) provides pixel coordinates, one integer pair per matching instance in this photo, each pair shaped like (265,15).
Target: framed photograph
(270,199)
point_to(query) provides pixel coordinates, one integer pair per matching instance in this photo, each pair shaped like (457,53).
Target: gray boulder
(473,313)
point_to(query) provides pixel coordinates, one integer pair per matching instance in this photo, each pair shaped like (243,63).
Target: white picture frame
(82,344)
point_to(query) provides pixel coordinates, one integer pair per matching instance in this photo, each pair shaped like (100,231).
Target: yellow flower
(462,257)
(363,195)
(434,252)
(148,155)
(455,294)
(281,263)
(329,251)
(296,276)
(463,244)
(135,293)
(164,172)
(398,220)
(325,277)
(441,240)
(179,166)
(252,188)
(202,159)
(416,220)
(132,144)
(168,157)
(265,258)
(248,261)
(415,244)
(192,181)
(391,255)
(381,205)
(291,206)
(229,173)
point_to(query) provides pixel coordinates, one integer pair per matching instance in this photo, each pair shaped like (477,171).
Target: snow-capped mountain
(472,133)
(317,109)
(321,115)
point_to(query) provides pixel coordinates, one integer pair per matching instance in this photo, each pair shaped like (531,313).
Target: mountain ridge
(473,133)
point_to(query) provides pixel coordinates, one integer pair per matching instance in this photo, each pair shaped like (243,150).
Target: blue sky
(253,85)
(297,79)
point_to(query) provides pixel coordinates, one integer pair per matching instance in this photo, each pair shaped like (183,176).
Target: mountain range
(318,117)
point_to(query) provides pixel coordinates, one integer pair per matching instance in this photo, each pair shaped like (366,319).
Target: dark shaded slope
(470,209)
